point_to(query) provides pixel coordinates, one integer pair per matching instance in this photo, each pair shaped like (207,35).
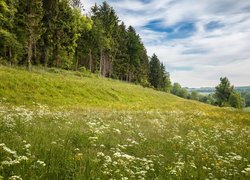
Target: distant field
(247,109)
(69,125)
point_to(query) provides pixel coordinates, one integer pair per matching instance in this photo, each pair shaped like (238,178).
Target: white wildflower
(41,163)
(15,178)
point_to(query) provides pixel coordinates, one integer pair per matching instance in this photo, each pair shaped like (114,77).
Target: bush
(82,69)
(54,70)
(235,100)
(85,72)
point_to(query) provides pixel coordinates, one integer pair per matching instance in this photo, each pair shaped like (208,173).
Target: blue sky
(199,41)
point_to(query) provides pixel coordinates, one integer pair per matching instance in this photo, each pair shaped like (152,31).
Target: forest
(58,34)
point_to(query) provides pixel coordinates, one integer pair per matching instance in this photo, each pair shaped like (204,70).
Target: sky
(198,41)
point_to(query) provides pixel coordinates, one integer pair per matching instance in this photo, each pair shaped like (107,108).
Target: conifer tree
(10,47)
(155,72)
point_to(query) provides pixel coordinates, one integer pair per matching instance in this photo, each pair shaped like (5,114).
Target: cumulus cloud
(198,41)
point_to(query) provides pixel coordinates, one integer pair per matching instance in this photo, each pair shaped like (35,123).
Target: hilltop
(57,124)
(212,89)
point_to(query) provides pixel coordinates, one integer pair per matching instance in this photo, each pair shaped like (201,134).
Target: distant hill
(209,90)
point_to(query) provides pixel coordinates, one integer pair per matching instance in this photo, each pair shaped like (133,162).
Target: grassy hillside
(69,125)
(76,89)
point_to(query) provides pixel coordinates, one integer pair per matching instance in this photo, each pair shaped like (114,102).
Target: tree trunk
(45,56)
(90,60)
(57,56)
(77,62)
(10,56)
(104,65)
(110,67)
(35,54)
(29,53)
(56,52)
(129,77)
(101,64)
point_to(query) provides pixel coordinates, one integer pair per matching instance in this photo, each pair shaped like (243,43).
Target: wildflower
(41,163)
(53,142)
(2,145)
(247,169)
(93,138)
(100,154)
(5,148)
(244,172)
(108,159)
(124,178)
(117,154)
(22,158)
(79,156)
(27,146)
(102,145)
(117,131)
(15,178)
(238,157)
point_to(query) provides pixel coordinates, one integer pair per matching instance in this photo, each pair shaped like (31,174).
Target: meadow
(247,109)
(58,124)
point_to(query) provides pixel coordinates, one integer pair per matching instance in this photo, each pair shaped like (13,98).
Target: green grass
(69,125)
(247,109)
(74,89)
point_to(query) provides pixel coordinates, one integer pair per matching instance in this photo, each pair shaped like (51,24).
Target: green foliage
(194,95)
(57,34)
(158,77)
(235,100)
(10,47)
(226,96)
(179,91)
(223,91)
(154,72)
(209,99)
(247,109)
(246,96)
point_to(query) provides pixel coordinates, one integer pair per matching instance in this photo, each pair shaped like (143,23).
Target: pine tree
(10,47)
(121,63)
(34,30)
(106,21)
(155,72)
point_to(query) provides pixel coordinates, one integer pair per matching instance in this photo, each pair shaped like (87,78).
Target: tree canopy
(57,34)
(225,94)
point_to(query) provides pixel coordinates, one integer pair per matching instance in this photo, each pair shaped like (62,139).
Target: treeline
(193,95)
(225,95)
(246,97)
(57,34)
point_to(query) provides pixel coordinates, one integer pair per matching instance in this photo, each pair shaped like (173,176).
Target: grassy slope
(74,89)
(89,120)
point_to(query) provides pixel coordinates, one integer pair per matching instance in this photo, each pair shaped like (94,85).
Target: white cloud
(211,54)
